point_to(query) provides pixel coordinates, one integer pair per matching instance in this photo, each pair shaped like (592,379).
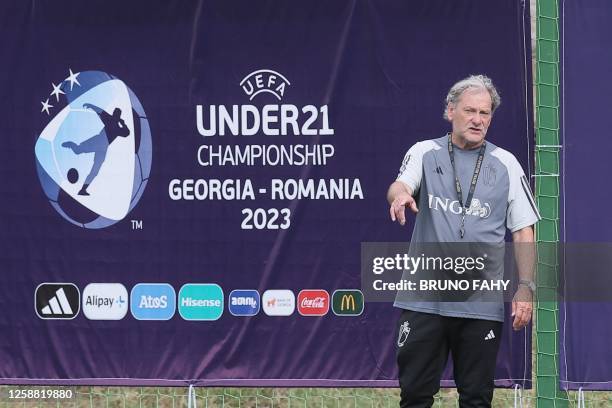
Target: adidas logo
(439,170)
(490,335)
(57,301)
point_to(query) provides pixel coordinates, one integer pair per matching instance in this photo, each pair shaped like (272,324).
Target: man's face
(470,117)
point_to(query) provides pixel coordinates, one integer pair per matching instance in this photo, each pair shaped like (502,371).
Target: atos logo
(244,302)
(313,302)
(153,301)
(94,155)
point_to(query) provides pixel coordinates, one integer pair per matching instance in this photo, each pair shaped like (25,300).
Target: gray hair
(472,82)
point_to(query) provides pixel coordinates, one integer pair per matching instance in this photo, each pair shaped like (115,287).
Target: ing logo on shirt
(477,209)
(93,156)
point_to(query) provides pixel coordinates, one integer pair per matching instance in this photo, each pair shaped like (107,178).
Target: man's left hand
(522,307)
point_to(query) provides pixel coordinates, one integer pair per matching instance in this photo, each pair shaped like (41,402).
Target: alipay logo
(200,301)
(94,155)
(244,302)
(153,301)
(105,301)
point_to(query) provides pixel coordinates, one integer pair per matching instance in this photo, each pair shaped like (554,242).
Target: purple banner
(186,185)
(585,330)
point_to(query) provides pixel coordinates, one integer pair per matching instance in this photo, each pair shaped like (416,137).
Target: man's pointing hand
(398,205)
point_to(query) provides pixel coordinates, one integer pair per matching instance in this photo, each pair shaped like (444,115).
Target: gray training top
(502,199)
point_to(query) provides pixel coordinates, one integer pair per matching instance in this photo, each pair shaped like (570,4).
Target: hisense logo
(200,301)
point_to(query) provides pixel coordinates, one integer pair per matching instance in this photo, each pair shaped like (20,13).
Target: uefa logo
(94,155)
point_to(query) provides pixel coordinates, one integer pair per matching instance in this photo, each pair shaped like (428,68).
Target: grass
(128,397)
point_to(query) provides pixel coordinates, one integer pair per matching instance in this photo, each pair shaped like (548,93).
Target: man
(463,189)
(98,144)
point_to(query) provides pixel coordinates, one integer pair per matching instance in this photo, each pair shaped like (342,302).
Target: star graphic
(46,105)
(57,90)
(72,78)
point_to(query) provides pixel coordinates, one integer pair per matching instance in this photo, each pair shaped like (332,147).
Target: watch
(529,284)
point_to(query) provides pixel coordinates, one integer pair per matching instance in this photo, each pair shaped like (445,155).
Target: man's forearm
(525,253)
(395,189)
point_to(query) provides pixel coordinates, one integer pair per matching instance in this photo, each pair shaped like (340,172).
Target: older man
(488,190)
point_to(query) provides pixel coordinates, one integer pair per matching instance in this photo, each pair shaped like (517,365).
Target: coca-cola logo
(318,302)
(313,302)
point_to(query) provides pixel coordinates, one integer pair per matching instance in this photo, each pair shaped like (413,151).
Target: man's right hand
(398,205)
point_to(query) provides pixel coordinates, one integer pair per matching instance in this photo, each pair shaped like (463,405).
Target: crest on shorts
(404,331)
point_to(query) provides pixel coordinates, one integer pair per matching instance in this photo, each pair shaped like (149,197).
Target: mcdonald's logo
(347,302)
